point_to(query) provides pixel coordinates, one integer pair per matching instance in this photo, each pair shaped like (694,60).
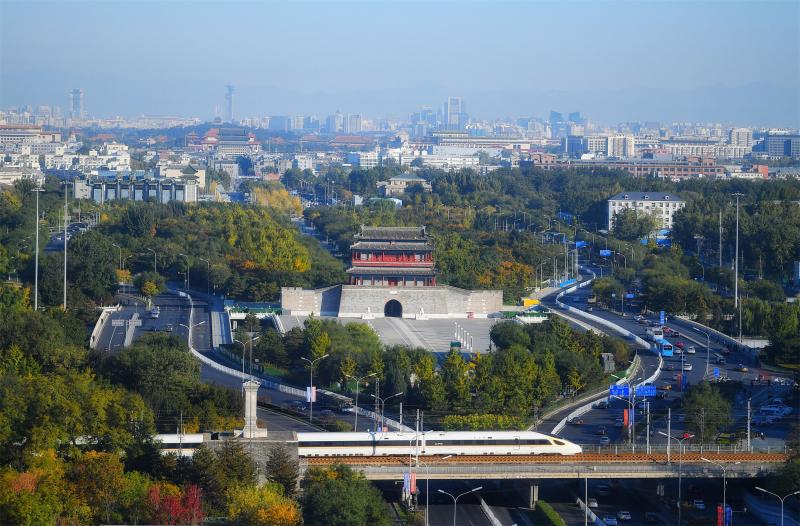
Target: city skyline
(664,61)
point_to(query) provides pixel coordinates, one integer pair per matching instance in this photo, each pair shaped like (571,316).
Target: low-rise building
(662,206)
(137,186)
(400,183)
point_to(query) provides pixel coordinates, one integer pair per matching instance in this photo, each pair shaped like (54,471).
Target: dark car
(651,518)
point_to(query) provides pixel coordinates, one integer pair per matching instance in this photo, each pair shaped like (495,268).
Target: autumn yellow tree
(262,506)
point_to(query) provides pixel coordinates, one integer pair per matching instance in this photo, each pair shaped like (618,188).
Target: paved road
(608,418)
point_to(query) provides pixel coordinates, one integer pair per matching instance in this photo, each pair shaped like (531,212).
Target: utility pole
(669,432)
(736,264)
(720,237)
(36,264)
(647,406)
(66,221)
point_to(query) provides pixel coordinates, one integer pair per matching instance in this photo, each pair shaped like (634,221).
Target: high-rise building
(556,116)
(352,124)
(740,137)
(229,89)
(455,114)
(76,103)
(621,146)
(778,144)
(334,123)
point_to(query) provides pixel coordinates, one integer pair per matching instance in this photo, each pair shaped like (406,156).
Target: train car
(433,443)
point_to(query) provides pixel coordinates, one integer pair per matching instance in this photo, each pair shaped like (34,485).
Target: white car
(604,441)
(624,515)
(591,502)
(699,504)
(688,367)
(610,520)
(691,350)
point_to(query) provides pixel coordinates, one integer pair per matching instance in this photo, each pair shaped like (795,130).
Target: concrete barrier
(616,328)
(592,516)
(105,313)
(488,512)
(269,384)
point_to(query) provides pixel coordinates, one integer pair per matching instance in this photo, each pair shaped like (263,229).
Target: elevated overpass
(586,465)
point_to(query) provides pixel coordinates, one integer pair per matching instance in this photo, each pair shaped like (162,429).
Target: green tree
(631,225)
(282,468)
(707,411)
(340,496)
(456,381)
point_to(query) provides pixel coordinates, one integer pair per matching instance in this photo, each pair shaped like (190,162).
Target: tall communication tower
(229,103)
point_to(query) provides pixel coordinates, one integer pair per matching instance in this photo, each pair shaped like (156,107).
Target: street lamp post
(358,383)
(777,496)
(685,436)
(208,274)
(244,350)
(311,384)
(187,270)
(383,404)
(724,483)
(708,348)
(427,483)
(155,262)
(455,499)
(120,254)
(190,328)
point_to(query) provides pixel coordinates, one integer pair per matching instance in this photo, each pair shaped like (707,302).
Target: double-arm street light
(383,404)
(631,401)
(187,270)
(208,274)
(724,483)
(311,383)
(686,436)
(190,328)
(427,483)
(155,262)
(779,498)
(120,254)
(358,383)
(455,499)
(708,348)
(250,341)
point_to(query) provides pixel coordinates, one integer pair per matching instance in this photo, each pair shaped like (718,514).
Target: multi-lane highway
(692,368)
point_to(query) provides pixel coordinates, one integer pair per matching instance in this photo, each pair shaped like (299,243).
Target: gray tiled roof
(392,233)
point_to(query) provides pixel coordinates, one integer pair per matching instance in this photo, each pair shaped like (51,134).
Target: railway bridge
(603,465)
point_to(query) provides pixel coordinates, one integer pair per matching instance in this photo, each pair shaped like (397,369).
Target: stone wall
(427,302)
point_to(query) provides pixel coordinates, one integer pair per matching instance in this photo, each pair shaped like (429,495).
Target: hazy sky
(728,61)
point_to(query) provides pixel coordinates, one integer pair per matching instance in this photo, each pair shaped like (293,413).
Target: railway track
(583,458)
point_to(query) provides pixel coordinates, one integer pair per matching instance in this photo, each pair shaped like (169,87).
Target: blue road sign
(629,296)
(646,390)
(716,372)
(661,318)
(619,390)
(605,253)
(579,244)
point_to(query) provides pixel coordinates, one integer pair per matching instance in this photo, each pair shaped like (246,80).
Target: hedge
(547,514)
(482,422)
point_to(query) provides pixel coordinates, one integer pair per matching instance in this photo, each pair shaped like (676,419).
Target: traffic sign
(716,372)
(661,318)
(629,296)
(619,390)
(605,253)
(646,390)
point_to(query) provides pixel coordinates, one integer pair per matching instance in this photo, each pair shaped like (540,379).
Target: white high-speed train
(432,443)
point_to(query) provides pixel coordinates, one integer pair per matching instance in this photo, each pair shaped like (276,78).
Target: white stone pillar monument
(251,429)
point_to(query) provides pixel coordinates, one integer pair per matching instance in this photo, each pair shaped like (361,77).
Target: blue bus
(663,347)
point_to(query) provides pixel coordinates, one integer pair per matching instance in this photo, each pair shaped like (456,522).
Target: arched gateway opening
(393,309)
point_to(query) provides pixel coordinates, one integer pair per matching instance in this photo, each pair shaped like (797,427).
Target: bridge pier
(534,494)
